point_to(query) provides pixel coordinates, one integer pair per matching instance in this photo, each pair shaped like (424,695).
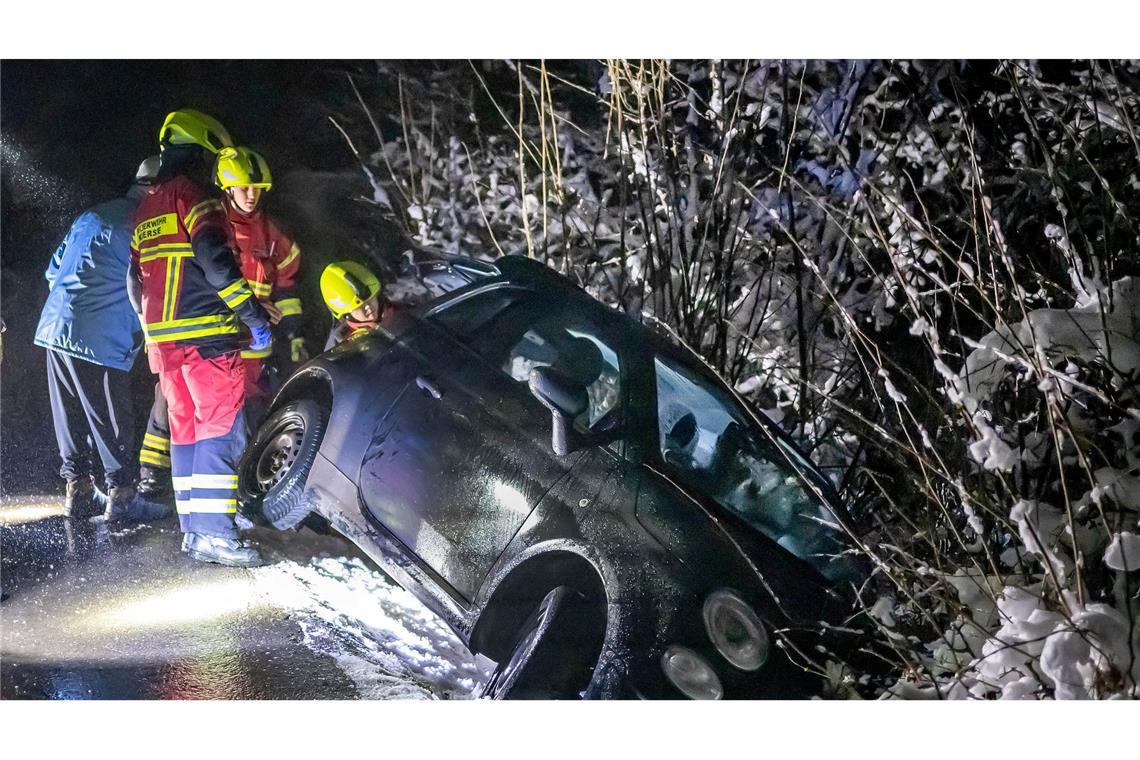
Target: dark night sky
(73,134)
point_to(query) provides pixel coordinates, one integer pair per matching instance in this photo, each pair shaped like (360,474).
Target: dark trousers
(155,453)
(91,406)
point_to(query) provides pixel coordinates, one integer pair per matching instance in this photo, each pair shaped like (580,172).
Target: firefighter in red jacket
(192,300)
(270,262)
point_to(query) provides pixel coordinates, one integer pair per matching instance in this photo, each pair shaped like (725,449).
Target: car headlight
(736,630)
(688,671)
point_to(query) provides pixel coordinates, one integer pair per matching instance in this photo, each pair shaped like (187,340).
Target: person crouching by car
(352,294)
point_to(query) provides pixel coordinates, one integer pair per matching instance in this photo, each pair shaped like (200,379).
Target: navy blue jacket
(87,313)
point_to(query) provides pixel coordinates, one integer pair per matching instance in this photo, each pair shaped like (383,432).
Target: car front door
(465,454)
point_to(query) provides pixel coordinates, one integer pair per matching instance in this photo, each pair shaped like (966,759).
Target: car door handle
(427,385)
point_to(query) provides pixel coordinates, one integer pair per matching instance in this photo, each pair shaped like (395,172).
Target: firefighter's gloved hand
(259,337)
(297,351)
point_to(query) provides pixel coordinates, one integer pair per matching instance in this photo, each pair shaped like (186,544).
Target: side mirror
(565,399)
(675,458)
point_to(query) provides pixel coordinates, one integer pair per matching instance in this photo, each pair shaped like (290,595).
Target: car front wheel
(554,652)
(273,469)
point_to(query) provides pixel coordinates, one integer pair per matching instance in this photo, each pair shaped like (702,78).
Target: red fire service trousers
(207,434)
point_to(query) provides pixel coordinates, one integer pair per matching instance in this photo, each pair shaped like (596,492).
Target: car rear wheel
(554,652)
(273,469)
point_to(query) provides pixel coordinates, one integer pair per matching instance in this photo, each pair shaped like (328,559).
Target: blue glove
(259,337)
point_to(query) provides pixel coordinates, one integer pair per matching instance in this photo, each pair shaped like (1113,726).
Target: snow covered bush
(927,271)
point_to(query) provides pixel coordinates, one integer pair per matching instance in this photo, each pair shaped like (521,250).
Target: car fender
(590,513)
(360,385)
(622,618)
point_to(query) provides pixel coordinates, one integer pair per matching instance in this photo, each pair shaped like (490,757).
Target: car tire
(273,469)
(553,656)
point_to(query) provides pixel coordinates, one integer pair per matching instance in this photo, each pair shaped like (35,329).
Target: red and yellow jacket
(270,261)
(346,327)
(192,289)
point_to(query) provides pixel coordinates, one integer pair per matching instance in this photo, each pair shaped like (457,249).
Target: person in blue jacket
(92,336)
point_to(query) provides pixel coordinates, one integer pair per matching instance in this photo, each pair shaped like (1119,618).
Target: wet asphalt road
(97,614)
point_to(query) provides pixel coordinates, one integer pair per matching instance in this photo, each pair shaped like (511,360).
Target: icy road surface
(124,614)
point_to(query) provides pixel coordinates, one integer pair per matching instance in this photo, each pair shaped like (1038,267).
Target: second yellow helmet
(242,167)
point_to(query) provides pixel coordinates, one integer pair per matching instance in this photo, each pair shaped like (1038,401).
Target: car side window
(535,331)
(711,446)
(576,351)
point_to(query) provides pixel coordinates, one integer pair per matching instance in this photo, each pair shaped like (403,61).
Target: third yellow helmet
(346,285)
(242,167)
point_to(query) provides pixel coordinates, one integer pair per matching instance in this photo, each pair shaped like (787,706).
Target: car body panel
(460,459)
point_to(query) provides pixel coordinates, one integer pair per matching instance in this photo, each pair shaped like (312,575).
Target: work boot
(155,484)
(124,505)
(79,497)
(243,523)
(223,551)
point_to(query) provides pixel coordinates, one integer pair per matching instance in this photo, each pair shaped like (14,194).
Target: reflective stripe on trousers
(207,430)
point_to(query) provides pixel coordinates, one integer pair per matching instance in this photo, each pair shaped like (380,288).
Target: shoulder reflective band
(289,306)
(235,294)
(197,213)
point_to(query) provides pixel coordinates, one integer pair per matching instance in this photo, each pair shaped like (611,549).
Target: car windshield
(711,445)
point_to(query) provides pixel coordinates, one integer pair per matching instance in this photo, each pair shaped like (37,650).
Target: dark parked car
(582,501)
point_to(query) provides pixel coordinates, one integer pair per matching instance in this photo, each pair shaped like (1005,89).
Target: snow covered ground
(380,635)
(125,614)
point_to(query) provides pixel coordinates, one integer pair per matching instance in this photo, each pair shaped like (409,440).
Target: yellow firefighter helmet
(346,285)
(242,167)
(188,127)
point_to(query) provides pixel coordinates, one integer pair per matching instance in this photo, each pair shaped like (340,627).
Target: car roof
(527,272)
